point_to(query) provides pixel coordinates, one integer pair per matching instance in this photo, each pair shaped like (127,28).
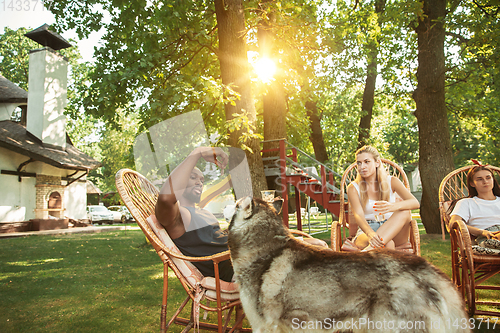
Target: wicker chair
(140,196)
(469,270)
(345,225)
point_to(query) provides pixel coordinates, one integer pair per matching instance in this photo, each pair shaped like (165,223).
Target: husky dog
(289,286)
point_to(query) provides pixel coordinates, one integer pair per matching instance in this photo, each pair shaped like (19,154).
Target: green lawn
(106,282)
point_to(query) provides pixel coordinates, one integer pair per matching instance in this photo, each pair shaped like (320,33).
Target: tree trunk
(234,68)
(316,136)
(365,122)
(274,114)
(436,158)
(274,101)
(274,127)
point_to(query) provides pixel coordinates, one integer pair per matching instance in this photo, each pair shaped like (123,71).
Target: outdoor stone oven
(55,204)
(50,209)
(49,194)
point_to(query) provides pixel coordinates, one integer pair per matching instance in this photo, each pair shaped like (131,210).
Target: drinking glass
(268,195)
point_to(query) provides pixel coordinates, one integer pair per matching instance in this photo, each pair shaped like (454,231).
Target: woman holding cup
(383,221)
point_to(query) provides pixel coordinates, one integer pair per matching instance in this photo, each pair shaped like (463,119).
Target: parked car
(120,214)
(99,214)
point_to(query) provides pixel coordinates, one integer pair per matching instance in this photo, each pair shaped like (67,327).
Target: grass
(81,283)
(106,282)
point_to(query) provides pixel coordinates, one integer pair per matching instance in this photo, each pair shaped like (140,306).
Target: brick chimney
(47,86)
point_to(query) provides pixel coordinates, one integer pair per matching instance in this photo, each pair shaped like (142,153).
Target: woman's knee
(390,245)
(401,215)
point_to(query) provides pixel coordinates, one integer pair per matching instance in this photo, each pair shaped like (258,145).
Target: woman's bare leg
(397,228)
(390,245)
(394,232)
(315,242)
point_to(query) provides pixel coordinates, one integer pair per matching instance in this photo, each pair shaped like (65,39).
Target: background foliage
(159,59)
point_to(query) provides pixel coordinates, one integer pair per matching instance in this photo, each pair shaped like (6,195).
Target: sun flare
(265,69)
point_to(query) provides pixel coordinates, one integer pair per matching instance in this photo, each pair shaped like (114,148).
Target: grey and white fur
(289,286)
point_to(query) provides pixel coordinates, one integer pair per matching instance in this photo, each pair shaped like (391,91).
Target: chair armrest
(222,256)
(465,236)
(216,258)
(415,237)
(459,230)
(336,236)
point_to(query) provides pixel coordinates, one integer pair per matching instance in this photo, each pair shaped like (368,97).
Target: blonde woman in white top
(383,221)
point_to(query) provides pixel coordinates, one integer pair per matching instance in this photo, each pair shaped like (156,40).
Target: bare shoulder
(175,224)
(397,185)
(351,190)
(351,187)
(395,181)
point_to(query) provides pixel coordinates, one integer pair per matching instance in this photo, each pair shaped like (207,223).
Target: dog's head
(254,220)
(247,206)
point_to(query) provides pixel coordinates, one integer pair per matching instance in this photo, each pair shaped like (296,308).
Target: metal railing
(283,163)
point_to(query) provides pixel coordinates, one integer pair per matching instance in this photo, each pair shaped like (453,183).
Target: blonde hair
(381,178)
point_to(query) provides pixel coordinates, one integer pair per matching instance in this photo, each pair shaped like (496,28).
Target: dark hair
(471,189)
(470,178)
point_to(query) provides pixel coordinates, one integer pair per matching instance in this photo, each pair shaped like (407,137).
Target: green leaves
(159,59)
(473,87)
(242,123)
(150,51)
(14,54)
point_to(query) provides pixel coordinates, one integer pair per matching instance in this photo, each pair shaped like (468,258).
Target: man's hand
(214,155)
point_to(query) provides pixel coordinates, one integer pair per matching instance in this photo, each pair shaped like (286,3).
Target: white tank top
(369,212)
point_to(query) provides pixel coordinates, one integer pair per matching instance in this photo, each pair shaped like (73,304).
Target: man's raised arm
(167,209)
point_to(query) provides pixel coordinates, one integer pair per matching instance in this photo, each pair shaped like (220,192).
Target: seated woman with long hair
(383,221)
(481,209)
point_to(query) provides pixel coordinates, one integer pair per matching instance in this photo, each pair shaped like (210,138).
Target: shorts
(373,224)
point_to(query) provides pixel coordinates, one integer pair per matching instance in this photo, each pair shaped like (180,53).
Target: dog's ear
(278,204)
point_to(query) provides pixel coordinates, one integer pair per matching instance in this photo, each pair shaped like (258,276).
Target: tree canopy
(160,59)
